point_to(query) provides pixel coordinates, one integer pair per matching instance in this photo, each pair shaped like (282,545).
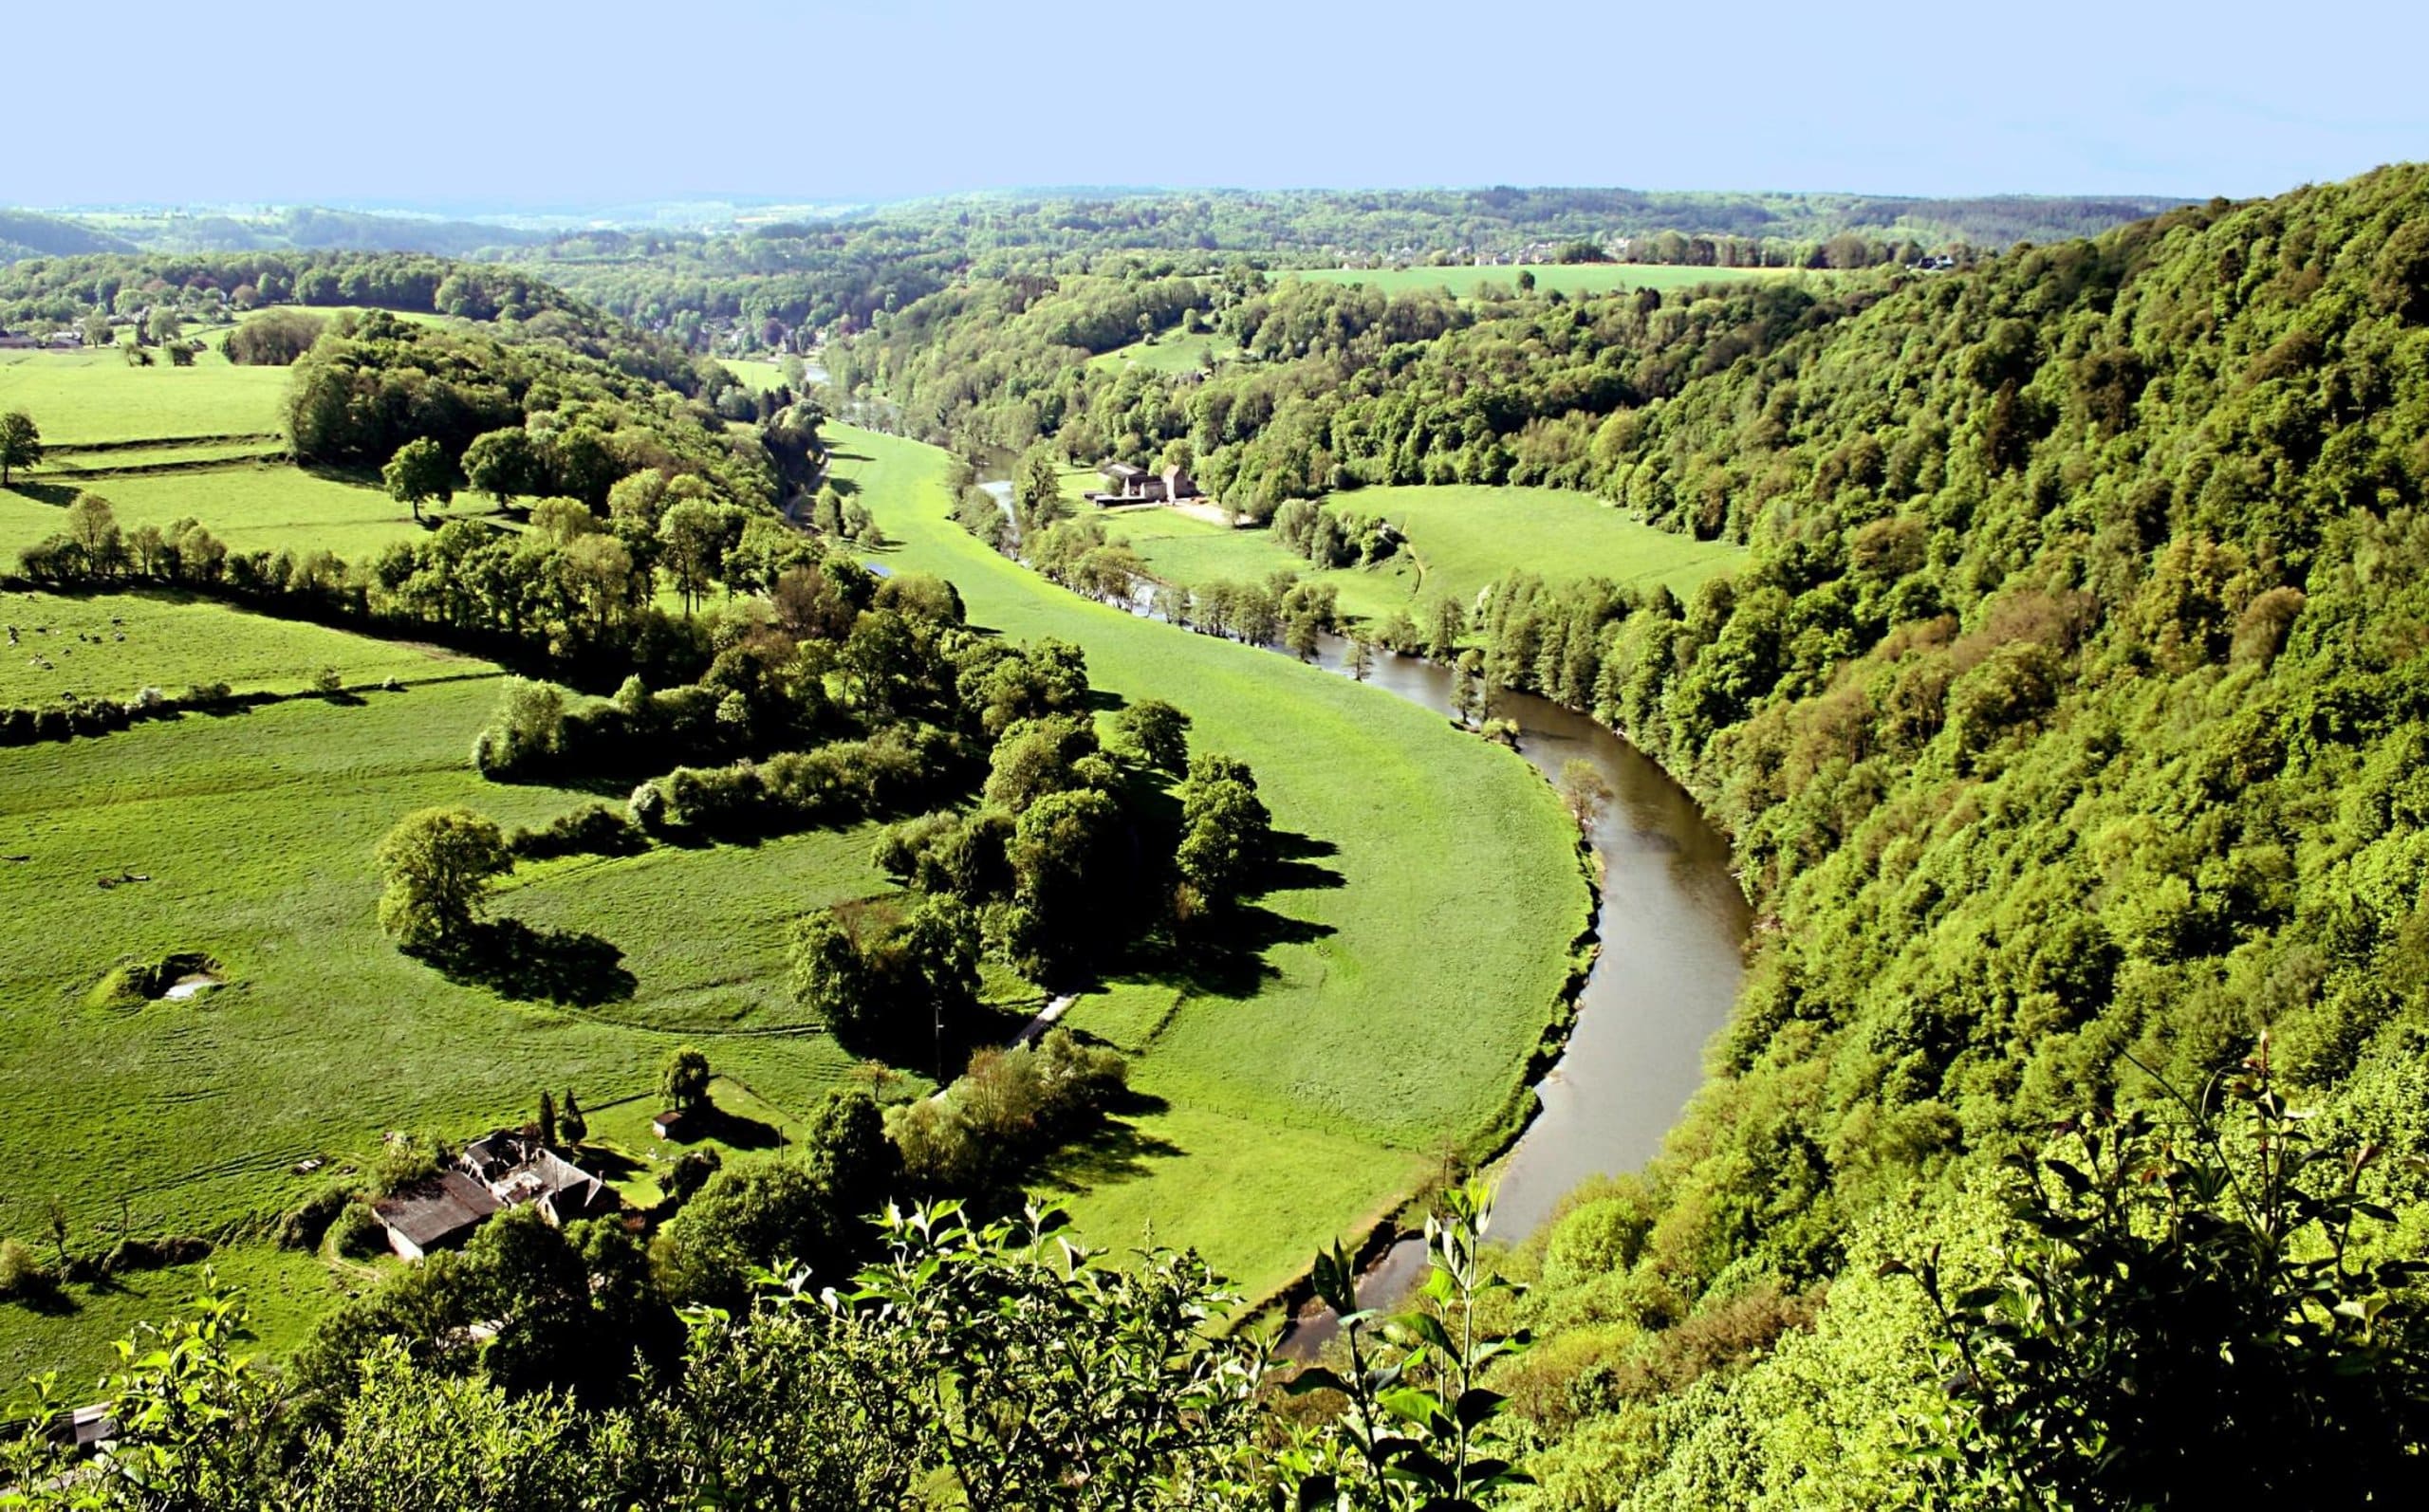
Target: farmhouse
(438,1213)
(518,1169)
(508,1168)
(1126,484)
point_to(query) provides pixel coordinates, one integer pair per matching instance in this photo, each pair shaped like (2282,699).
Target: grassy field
(760,375)
(113,645)
(1460,538)
(80,398)
(160,458)
(253,507)
(1401,979)
(255,831)
(1171,352)
(1566,278)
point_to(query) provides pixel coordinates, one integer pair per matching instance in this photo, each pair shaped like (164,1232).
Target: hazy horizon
(551,109)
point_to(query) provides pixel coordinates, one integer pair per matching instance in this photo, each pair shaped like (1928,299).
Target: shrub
(1009,1107)
(646,808)
(594,829)
(358,1234)
(21,1274)
(327,681)
(302,1224)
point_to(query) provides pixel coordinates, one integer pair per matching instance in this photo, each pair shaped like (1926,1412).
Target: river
(1673,927)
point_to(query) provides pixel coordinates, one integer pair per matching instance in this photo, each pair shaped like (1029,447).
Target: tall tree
(438,863)
(20,443)
(419,471)
(685,1082)
(1037,490)
(504,464)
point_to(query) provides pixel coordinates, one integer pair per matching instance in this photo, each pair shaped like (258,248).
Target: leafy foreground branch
(2184,1316)
(983,1367)
(2189,1319)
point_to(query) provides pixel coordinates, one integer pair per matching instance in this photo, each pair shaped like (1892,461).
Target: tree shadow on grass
(1224,955)
(605,1163)
(1293,868)
(58,494)
(514,960)
(733,1130)
(46,1298)
(1117,1151)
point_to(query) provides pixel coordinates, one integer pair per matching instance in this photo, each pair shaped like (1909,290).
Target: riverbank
(1400,983)
(1613,1076)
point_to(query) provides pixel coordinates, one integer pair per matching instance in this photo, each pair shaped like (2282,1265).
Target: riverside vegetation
(2068,1148)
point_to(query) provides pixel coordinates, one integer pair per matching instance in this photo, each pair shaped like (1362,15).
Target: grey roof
(433,1211)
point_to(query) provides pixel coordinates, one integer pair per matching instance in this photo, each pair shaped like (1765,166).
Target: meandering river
(1673,926)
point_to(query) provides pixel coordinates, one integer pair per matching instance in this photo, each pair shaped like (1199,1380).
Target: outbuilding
(439,1213)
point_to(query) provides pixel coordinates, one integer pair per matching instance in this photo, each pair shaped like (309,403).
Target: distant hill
(295,229)
(25,233)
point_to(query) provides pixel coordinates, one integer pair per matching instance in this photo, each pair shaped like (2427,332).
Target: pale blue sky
(515,102)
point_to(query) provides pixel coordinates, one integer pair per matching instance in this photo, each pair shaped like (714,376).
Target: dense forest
(784,284)
(2065,719)
(2067,722)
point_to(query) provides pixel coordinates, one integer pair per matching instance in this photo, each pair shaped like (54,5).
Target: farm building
(671,1124)
(1126,484)
(438,1213)
(509,1168)
(518,1169)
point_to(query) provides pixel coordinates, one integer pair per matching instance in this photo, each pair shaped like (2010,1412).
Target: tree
(694,536)
(419,471)
(570,1122)
(163,326)
(1037,490)
(1449,623)
(685,1082)
(547,1118)
(1361,657)
(1301,635)
(20,443)
(504,464)
(1464,698)
(438,863)
(96,331)
(1157,731)
(93,526)
(1584,792)
(1227,834)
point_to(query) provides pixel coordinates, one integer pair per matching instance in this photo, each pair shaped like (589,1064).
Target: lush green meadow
(114,645)
(255,832)
(151,440)
(83,397)
(1405,974)
(253,507)
(1460,538)
(1572,279)
(1171,352)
